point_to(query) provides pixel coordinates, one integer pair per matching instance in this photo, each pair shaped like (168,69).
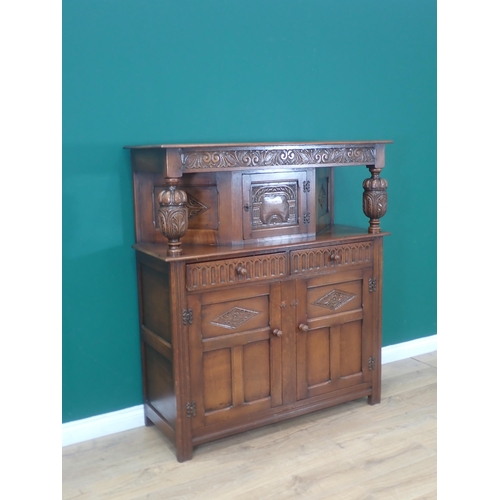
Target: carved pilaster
(173,216)
(375,199)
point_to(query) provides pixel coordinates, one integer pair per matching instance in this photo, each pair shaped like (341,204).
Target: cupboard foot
(185,455)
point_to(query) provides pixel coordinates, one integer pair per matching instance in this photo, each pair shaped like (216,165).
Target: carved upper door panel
(277,204)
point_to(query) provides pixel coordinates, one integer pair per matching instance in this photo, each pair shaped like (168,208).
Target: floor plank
(350,452)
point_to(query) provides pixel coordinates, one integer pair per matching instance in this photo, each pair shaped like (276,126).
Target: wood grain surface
(349,452)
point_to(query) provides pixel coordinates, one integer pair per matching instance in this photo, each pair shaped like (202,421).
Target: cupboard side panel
(156,341)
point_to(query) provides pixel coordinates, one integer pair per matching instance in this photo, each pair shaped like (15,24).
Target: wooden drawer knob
(303,328)
(241,271)
(277,332)
(335,257)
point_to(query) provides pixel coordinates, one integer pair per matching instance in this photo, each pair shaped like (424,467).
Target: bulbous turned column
(375,199)
(173,215)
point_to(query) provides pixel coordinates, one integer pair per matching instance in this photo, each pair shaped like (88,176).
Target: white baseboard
(130,418)
(102,425)
(409,349)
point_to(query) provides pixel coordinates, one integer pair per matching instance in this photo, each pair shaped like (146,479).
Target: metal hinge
(372,284)
(187,316)
(306,186)
(153,204)
(371,363)
(307,218)
(191,409)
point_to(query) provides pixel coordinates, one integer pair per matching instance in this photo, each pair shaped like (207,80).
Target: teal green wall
(148,71)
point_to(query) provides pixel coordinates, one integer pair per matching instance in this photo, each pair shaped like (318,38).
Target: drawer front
(331,257)
(205,275)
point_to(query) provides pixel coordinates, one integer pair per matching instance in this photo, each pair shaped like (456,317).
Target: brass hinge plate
(371,363)
(191,409)
(372,284)
(187,316)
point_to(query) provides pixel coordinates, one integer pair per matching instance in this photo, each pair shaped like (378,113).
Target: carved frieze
(196,160)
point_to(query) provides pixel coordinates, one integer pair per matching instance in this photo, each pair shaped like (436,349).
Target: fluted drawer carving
(231,271)
(308,260)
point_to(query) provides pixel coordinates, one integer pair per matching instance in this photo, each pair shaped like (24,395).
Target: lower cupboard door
(332,354)
(235,358)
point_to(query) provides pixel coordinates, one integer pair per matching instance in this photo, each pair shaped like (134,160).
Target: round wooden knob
(303,328)
(241,271)
(277,332)
(335,257)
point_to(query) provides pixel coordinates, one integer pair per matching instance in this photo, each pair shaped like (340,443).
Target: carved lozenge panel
(234,318)
(334,300)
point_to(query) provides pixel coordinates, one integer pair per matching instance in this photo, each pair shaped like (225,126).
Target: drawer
(203,275)
(332,257)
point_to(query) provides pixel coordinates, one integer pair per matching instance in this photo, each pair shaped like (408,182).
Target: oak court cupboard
(254,305)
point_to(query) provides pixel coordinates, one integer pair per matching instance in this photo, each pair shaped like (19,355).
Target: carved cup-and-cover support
(173,216)
(375,199)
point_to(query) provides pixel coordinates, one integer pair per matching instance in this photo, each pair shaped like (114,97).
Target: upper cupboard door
(235,352)
(278,204)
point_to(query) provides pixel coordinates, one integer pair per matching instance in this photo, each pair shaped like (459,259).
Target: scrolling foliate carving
(195,160)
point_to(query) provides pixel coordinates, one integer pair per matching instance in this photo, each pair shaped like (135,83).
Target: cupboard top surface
(334,234)
(257,145)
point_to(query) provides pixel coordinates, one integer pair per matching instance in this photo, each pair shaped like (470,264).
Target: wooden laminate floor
(350,452)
